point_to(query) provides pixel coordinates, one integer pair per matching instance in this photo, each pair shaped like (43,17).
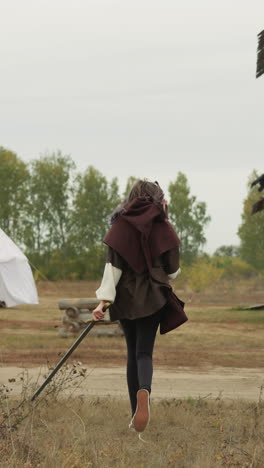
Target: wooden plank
(83,303)
(254,307)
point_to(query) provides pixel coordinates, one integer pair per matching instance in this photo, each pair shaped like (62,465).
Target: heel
(142,414)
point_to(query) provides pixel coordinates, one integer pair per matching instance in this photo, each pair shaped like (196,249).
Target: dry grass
(194,433)
(76,432)
(193,345)
(216,334)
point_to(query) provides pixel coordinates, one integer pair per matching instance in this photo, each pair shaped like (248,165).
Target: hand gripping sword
(66,355)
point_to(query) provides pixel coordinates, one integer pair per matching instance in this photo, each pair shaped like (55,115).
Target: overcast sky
(143,87)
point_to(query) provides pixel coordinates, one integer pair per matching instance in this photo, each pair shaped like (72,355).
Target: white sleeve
(107,290)
(173,276)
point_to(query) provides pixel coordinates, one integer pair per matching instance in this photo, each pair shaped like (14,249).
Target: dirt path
(183,382)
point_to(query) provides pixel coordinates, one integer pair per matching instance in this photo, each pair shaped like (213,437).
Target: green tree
(130,182)
(227,251)
(94,200)
(251,230)
(14,180)
(48,223)
(188,216)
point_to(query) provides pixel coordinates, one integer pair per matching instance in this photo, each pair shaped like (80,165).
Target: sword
(66,355)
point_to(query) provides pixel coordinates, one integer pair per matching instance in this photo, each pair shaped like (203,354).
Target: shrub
(203,274)
(234,267)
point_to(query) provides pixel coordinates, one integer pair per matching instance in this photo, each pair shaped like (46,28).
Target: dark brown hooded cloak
(142,237)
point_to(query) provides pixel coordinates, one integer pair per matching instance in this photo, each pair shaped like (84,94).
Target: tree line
(59,216)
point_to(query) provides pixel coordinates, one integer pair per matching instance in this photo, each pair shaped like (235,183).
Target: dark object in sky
(260,56)
(260,181)
(258,206)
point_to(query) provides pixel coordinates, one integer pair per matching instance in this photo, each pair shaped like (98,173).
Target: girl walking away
(143,255)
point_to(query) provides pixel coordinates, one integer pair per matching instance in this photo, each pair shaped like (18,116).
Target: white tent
(17,285)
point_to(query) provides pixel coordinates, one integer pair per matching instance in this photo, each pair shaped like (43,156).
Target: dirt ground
(219,350)
(228,383)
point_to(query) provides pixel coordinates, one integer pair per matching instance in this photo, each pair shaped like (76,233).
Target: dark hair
(143,188)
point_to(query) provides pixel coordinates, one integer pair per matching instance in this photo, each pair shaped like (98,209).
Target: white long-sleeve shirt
(111,277)
(107,290)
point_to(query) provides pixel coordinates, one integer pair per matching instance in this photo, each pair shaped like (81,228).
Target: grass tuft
(191,433)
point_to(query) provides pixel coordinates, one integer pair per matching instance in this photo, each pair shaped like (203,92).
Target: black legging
(140,337)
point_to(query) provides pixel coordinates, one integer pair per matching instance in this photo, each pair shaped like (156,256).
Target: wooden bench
(78,312)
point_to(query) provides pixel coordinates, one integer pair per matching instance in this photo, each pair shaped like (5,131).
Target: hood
(141,213)
(141,234)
